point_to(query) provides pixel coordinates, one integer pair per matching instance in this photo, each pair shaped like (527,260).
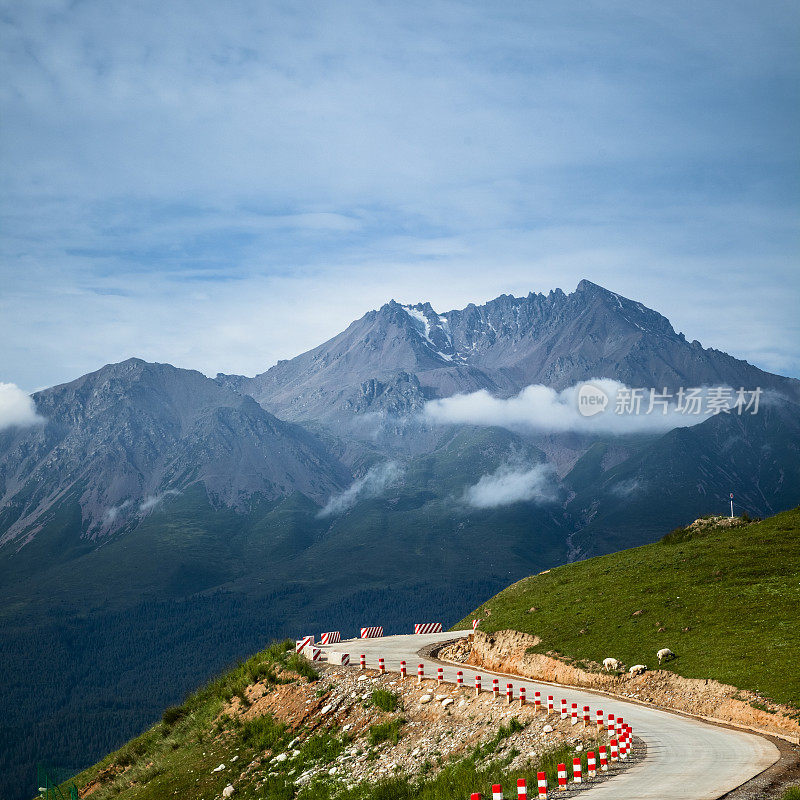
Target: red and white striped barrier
(497,792)
(591,764)
(600,725)
(477,685)
(563,709)
(340,659)
(522,789)
(460,679)
(603,758)
(574,720)
(402,670)
(381,666)
(611,726)
(331,637)
(475,796)
(475,623)
(428,627)
(312,653)
(549,704)
(362,661)
(614,750)
(301,643)
(509,693)
(577,770)
(586,716)
(371,633)
(420,672)
(562,777)
(522,695)
(541,779)
(496,688)
(537,701)
(440,676)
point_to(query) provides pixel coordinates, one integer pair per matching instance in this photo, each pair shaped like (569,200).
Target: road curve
(686,758)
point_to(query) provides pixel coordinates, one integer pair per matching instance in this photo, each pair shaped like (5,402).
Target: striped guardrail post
(600,725)
(522,696)
(549,704)
(381,666)
(614,750)
(574,720)
(402,670)
(541,780)
(562,777)
(497,792)
(603,758)
(611,726)
(440,676)
(477,685)
(362,661)
(537,702)
(563,708)
(496,688)
(460,679)
(509,693)
(591,764)
(420,673)
(586,716)
(522,789)
(577,770)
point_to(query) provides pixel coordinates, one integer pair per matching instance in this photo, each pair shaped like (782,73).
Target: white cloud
(376,480)
(513,483)
(541,408)
(17,408)
(151,501)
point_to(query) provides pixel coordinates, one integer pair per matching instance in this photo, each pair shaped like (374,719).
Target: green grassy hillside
(725,601)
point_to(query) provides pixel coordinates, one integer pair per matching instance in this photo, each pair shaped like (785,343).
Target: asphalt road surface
(686,759)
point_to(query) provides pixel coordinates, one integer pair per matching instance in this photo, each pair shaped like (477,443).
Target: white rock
(426,698)
(332,771)
(283,757)
(447,702)
(324,710)
(293,743)
(363,678)
(228,791)
(219,768)
(547,729)
(578,748)
(440,697)
(347,727)
(235,758)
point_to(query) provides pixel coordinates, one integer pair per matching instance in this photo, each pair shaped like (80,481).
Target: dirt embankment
(506,651)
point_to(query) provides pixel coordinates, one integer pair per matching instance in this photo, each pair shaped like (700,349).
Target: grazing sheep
(611,663)
(665,654)
(637,669)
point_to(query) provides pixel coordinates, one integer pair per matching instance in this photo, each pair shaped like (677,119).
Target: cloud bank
(377,479)
(541,408)
(513,483)
(17,408)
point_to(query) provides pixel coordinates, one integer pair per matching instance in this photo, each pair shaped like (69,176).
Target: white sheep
(665,654)
(611,663)
(637,669)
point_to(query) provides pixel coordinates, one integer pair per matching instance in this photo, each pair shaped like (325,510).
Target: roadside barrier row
(374,632)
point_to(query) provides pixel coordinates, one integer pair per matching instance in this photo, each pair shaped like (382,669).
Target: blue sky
(219,185)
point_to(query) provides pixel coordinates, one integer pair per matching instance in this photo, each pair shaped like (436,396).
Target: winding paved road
(686,759)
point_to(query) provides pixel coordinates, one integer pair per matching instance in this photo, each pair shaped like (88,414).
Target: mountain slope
(724,600)
(118,441)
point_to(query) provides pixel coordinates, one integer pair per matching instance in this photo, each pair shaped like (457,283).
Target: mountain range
(158,516)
